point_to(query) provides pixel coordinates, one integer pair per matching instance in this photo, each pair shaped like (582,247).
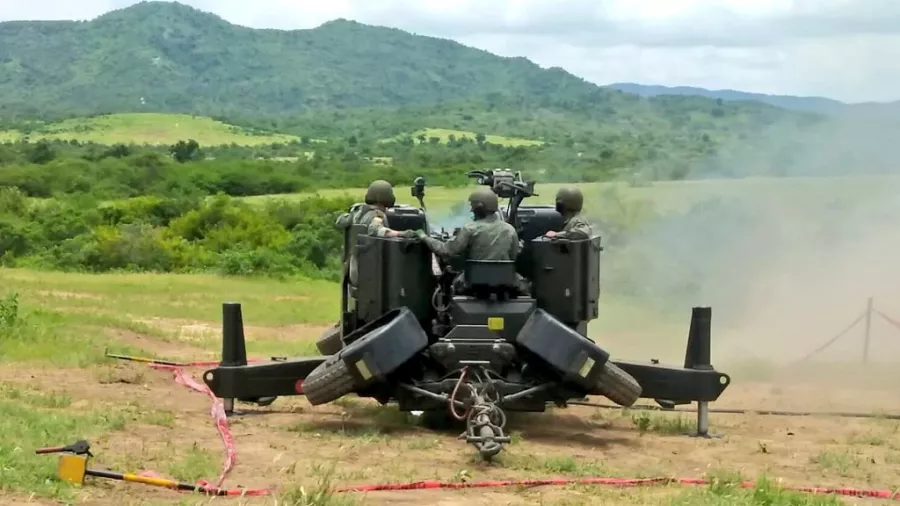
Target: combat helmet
(569,199)
(484,201)
(380,192)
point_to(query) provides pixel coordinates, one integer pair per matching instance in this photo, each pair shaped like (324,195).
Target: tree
(42,153)
(185,151)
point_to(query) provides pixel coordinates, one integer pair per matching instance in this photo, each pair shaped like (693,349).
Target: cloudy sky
(843,49)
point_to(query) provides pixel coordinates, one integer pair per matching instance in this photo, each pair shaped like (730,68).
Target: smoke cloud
(787,256)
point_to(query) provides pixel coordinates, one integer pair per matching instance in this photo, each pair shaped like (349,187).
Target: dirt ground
(292,443)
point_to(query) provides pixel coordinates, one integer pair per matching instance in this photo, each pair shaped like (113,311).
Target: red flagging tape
(617,482)
(217,410)
(218,413)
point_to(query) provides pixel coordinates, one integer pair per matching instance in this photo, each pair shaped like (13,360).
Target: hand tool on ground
(73,468)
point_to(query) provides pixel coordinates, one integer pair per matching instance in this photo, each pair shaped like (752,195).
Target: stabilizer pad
(570,354)
(383,345)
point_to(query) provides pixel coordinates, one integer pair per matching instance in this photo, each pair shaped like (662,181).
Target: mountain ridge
(809,103)
(168,57)
(356,84)
(166,52)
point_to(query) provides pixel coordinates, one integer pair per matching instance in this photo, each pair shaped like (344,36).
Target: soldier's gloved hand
(421,234)
(408,234)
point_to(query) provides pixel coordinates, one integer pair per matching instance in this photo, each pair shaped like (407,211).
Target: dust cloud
(786,240)
(786,260)
(455,217)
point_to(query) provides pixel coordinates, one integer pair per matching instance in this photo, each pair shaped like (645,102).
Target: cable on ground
(749,411)
(217,411)
(617,482)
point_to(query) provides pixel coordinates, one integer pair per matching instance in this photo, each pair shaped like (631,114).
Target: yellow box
(586,367)
(495,323)
(72,468)
(363,369)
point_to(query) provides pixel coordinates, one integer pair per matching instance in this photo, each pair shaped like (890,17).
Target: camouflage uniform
(576,229)
(569,202)
(489,238)
(486,238)
(370,215)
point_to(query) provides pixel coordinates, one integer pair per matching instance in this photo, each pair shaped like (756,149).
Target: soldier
(379,197)
(568,203)
(488,237)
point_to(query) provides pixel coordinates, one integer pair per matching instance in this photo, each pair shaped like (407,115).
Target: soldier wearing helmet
(379,197)
(372,215)
(569,201)
(487,237)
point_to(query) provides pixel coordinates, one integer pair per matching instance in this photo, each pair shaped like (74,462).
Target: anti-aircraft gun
(409,338)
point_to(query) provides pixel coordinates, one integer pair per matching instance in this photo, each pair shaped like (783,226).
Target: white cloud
(845,49)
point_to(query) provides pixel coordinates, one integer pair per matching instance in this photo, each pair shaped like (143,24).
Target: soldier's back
(493,239)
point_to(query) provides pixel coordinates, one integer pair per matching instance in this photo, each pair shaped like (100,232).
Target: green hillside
(443,135)
(164,56)
(359,85)
(167,57)
(146,128)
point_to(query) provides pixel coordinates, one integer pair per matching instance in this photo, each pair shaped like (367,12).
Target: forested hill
(164,56)
(167,57)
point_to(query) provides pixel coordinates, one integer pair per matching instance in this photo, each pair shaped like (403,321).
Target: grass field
(664,197)
(58,387)
(444,135)
(150,128)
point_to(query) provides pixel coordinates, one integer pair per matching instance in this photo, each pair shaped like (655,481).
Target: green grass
(726,492)
(663,197)
(30,419)
(150,128)
(60,339)
(69,319)
(191,297)
(444,135)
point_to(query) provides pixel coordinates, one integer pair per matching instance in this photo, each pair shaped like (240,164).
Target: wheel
(328,382)
(617,385)
(330,342)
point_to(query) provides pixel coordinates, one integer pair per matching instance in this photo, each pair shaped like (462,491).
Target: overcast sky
(843,49)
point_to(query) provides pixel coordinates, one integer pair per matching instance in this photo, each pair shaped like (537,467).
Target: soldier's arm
(346,219)
(579,230)
(343,221)
(379,229)
(454,247)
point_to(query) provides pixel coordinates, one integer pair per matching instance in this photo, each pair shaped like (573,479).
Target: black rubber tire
(618,386)
(328,382)
(330,342)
